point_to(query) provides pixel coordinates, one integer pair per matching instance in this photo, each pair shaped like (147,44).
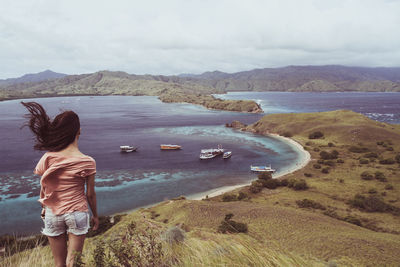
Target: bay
(125,181)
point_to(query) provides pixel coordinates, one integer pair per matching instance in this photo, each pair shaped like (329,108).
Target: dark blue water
(127,181)
(383,107)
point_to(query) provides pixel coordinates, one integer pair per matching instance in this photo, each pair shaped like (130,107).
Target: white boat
(207,155)
(227,154)
(127,148)
(262,169)
(211,153)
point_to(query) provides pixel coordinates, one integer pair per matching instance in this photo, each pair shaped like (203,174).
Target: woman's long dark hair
(51,135)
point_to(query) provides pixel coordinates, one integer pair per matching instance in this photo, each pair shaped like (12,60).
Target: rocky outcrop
(236,125)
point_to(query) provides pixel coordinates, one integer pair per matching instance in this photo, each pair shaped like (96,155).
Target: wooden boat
(211,153)
(227,154)
(170,147)
(262,169)
(127,149)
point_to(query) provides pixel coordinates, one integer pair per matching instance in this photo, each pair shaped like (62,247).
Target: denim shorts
(76,223)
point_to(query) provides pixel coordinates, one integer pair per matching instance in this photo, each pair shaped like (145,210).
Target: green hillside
(169,89)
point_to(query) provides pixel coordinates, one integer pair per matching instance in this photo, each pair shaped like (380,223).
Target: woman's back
(63,181)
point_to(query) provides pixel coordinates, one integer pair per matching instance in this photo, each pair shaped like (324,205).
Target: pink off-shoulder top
(63,181)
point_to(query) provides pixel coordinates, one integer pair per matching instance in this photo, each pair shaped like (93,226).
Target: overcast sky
(187,36)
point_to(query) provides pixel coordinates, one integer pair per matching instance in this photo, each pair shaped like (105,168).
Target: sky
(171,37)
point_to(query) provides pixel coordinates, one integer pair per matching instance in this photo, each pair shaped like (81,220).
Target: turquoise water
(128,181)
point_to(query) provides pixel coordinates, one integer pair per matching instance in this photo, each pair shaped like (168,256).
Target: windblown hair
(51,135)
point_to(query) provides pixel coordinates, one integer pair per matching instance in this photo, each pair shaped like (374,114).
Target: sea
(126,181)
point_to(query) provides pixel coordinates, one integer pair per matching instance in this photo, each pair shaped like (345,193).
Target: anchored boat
(170,147)
(211,153)
(262,169)
(227,154)
(127,148)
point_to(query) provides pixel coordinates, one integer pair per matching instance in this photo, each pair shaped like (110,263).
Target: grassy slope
(280,233)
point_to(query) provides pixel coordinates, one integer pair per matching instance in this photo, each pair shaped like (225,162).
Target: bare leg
(58,246)
(75,246)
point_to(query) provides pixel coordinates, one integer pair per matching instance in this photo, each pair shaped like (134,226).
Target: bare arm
(91,198)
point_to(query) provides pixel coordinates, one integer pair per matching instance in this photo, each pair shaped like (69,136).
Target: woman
(65,171)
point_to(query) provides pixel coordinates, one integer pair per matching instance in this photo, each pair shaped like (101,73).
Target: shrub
(320,161)
(353,220)
(300,184)
(372,204)
(357,149)
(367,176)
(379,143)
(264,176)
(256,187)
(307,174)
(317,166)
(307,203)
(340,161)
(133,247)
(331,213)
(372,191)
(390,148)
(330,163)
(387,161)
(331,144)
(389,187)
(380,176)
(371,155)
(229,197)
(397,158)
(272,183)
(174,235)
(230,226)
(325,170)
(316,149)
(363,161)
(315,135)
(284,182)
(287,134)
(242,195)
(329,155)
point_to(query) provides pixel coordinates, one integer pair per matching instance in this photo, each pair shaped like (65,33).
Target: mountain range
(328,78)
(35,77)
(304,78)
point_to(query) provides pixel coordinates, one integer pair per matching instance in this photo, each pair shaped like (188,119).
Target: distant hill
(35,77)
(304,78)
(292,78)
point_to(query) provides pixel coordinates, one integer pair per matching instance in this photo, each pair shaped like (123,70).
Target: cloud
(177,36)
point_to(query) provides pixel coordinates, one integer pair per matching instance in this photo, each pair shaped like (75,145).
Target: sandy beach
(302,161)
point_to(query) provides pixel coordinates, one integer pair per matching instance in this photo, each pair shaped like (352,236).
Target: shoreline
(304,159)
